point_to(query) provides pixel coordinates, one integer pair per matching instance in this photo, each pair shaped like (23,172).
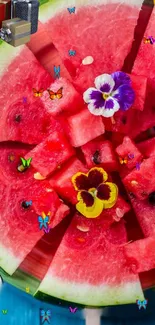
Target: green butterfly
(4,311)
(26,162)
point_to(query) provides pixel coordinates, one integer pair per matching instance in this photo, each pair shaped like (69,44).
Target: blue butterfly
(71,10)
(142,303)
(43,222)
(57,71)
(45,316)
(29,203)
(71,52)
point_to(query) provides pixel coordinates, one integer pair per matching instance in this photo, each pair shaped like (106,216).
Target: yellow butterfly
(123,160)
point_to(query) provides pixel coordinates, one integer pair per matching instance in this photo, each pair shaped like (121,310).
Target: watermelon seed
(21,168)
(152,198)
(96,157)
(11,157)
(18,118)
(131,195)
(82,228)
(124,120)
(25,205)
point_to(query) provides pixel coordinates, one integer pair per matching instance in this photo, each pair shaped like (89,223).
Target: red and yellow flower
(94,192)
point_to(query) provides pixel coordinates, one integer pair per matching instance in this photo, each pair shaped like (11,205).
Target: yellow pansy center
(105,96)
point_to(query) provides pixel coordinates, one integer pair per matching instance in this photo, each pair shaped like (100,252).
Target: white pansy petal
(95,111)
(110,112)
(87,93)
(104,83)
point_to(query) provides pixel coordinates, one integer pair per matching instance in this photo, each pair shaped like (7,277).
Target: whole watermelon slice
(110,279)
(107,281)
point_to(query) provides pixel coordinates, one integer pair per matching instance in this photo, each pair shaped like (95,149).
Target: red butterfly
(56,95)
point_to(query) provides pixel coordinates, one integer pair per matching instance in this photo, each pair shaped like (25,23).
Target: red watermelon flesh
(83,127)
(147,147)
(71,100)
(20,225)
(18,116)
(61,181)
(145,213)
(128,149)
(100,152)
(50,153)
(88,37)
(43,48)
(107,281)
(139,84)
(142,254)
(140,181)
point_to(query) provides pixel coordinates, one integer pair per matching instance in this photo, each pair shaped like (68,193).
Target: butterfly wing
(52,94)
(73,9)
(59,93)
(23,161)
(29,161)
(42,312)
(41,92)
(46,221)
(69,10)
(41,221)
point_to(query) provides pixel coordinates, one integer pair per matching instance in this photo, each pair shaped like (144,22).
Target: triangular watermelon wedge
(24,117)
(88,269)
(19,230)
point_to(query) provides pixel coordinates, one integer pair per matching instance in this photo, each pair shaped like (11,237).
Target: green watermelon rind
(94,296)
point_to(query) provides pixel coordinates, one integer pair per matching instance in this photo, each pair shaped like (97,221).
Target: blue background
(23,309)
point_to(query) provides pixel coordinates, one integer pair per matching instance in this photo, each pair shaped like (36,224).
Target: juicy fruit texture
(117,284)
(139,84)
(142,254)
(100,243)
(88,37)
(147,148)
(19,223)
(140,182)
(50,153)
(61,181)
(100,153)
(17,114)
(71,100)
(145,213)
(90,127)
(129,150)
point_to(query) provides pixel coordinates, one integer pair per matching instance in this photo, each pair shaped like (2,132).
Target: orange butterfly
(123,160)
(38,93)
(56,95)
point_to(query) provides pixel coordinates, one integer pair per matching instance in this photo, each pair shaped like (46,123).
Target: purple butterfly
(46,230)
(24,99)
(138,166)
(130,155)
(73,310)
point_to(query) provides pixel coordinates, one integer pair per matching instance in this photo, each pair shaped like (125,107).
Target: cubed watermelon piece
(141,253)
(139,84)
(50,153)
(61,181)
(71,100)
(113,215)
(129,150)
(100,152)
(147,147)
(141,181)
(145,214)
(84,127)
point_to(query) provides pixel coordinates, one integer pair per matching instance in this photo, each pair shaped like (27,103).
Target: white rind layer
(50,9)
(8,261)
(100,295)
(7,55)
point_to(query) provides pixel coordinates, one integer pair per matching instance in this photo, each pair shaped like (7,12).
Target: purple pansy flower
(112,92)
